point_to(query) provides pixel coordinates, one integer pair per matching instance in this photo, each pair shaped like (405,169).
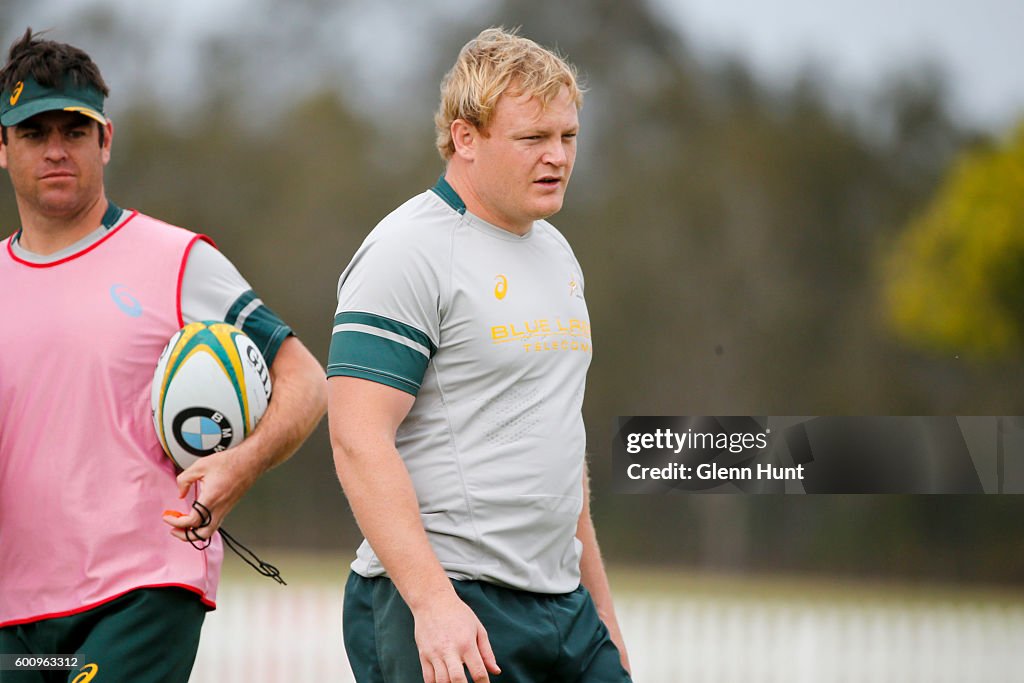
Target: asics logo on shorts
(89,672)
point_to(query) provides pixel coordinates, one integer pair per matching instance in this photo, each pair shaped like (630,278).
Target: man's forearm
(594,578)
(447,632)
(384,503)
(298,402)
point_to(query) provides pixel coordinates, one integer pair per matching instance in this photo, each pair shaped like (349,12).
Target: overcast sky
(856,42)
(978,43)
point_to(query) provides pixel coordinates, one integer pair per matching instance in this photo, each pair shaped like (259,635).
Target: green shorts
(150,635)
(536,637)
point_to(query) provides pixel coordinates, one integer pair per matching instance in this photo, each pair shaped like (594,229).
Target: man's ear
(465,137)
(108,138)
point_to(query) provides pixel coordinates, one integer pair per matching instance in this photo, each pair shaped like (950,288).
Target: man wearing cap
(89,295)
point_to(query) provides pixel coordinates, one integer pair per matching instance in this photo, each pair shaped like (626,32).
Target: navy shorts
(537,638)
(150,635)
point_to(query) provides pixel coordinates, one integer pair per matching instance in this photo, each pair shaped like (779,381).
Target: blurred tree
(955,278)
(727,231)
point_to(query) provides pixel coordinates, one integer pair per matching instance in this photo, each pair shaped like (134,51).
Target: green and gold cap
(29,98)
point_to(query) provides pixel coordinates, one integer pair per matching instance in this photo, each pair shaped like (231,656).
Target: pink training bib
(83,481)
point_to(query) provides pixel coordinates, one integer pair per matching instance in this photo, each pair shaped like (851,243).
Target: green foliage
(955,279)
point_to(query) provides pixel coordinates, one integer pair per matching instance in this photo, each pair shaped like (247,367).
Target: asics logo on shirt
(501,288)
(128,304)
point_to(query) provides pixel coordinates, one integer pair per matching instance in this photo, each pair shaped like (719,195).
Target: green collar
(446,192)
(111,216)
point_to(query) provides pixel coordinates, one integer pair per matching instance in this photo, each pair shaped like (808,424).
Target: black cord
(199,543)
(264,568)
(195,539)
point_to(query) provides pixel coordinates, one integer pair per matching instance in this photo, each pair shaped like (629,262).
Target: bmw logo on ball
(202,431)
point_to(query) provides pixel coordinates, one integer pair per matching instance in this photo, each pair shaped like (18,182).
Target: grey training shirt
(489,331)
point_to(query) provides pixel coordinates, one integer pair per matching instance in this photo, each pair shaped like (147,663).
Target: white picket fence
(269,634)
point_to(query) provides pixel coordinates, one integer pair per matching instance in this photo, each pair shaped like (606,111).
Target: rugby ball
(210,388)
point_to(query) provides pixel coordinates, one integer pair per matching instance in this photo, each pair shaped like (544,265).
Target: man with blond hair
(457,371)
